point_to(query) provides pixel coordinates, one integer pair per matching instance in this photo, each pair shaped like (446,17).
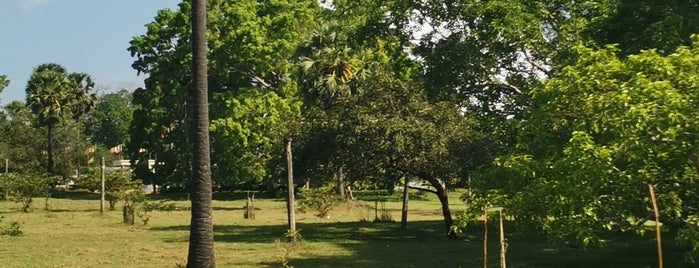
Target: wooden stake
(290,188)
(503,248)
(485,237)
(102,186)
(657,225)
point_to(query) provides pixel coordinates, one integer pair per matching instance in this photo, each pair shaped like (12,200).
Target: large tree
(251,44)
(201,228)
(108,124)
(604,128)
(22,143)
(55,95)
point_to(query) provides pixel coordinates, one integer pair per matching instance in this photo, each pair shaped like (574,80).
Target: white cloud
(29,5)
(22,6)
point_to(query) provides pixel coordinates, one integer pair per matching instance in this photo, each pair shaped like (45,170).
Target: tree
(399,130)
(23,143)
(4,82)
(640,25)
(109,123)
(604,129)
(54,95)
(201,229)
(251,44)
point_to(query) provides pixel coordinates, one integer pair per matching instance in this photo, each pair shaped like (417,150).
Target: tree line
(561,112)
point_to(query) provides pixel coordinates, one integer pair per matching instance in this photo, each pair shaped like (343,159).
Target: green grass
(74,234)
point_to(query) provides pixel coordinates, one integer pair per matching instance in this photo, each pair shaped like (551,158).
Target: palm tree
(329,67)
(54,95)
(82,101)
(48,98)
(201,238)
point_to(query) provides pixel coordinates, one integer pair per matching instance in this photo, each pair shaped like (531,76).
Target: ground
(75,234)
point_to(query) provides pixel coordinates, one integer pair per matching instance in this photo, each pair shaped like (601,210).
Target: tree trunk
(340,184)
(201,238)
(441,192)
(404,211)
(49,148)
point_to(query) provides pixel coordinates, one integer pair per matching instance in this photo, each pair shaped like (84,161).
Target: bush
(148,206)
(116,183)
(320,200)
(22,188)
(12,229)
(689,237)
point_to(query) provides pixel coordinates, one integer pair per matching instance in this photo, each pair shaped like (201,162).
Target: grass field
(75,234)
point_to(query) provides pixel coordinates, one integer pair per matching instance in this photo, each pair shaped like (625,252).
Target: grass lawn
(74,234)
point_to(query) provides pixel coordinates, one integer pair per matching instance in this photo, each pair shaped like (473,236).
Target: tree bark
(201,239)
(441,192)
(340,184)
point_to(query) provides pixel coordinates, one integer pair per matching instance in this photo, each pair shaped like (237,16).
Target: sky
(86,36)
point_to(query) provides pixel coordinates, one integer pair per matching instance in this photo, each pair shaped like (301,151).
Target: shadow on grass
(75,195)
(423,244)
(230,208)
(218,196)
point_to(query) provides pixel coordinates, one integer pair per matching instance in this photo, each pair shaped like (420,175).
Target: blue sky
(89,36)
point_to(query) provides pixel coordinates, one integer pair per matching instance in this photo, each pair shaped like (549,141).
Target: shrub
(22,188)
(12,229)
(689,237)
(320,200)
(148,206)
(116,183)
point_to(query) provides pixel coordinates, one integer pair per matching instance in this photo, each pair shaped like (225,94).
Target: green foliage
(147,206)
(251,44)
(12,229)
(604,128)
(4,82)
(646,24)
(293,235)
(54,95)
(109,123)
(491,200)
(21,143)
(22,188)
(319,200)
(243,137)
(116,183)
(689,237)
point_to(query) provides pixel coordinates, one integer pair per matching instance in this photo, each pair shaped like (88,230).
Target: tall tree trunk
(49,148)
(201,238)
